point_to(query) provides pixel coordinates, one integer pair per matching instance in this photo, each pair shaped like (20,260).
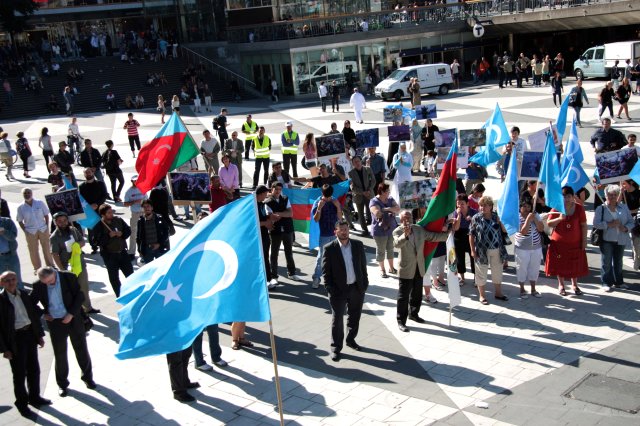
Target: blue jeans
(611,255)
(577,110)
(323,241)
(214,345)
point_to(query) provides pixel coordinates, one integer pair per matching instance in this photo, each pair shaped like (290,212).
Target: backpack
(216,126)
(23,148)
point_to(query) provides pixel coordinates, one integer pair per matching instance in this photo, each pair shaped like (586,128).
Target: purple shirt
(229,176)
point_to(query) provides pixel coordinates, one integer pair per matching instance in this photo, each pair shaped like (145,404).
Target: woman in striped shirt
(528,248)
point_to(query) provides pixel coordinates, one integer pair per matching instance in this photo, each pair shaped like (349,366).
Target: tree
(14,13)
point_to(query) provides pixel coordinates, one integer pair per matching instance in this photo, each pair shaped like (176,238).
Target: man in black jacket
(95,194)
(90,157)
(111,234)
(344,270)
(64,160)
(20,333)
(153,234)
(61,299)
(282,232)
(111,160)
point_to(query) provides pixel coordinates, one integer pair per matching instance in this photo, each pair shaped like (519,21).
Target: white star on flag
(170,293)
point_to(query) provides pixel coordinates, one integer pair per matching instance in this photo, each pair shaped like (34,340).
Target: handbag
(86,320)
(597,235)
(506,241)
(392,173)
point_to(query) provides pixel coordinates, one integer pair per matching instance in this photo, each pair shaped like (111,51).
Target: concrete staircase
(101,75)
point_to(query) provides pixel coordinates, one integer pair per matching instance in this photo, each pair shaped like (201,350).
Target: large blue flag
(572,149)
(561,121)
(634,174)
(497,136)
(574,176)
(215,274)
(550,175)
(91,217)
(508,204)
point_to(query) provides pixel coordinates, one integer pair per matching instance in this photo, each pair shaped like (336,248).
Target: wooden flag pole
(275,369)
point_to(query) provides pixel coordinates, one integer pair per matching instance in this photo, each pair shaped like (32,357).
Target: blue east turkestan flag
(573,149)
(214,275)
(561,121)
(91,217)
(497,136)
(550,175)
(574,176)
(508,204)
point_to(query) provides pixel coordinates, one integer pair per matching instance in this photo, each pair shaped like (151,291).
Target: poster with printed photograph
(67,201)
(399,133)
(473,137)
(190,187)
(367,138)
(329,146)
(416,194)
(530,165)
(443,153)
(615,166)
(444,138)
(392,114)
(426,111)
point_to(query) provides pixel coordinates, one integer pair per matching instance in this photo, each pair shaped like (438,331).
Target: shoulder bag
(597,235)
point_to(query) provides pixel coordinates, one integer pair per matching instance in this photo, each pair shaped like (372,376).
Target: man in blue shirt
(61,299)
(326,211)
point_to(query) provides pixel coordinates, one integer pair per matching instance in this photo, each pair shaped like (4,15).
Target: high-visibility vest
(263,148)
(251,130)
(290,138)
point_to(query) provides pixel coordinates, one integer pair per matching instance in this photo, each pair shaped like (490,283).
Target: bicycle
(76,145)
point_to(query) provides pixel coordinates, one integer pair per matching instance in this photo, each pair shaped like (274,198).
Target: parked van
(342,71)
(433,79)
(597,61)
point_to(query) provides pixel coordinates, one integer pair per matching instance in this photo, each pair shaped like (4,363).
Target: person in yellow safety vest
(262,146)
(290,142)
(250,129)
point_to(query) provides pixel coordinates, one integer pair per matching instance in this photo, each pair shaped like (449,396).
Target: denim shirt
(601,221)
(56,304)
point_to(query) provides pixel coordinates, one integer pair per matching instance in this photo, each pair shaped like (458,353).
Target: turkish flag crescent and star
(169,149)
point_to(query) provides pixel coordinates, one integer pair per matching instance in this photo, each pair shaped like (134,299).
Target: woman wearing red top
(567,256)
(218,195)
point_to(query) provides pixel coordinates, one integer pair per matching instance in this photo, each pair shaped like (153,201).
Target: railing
(55,4)
(220,72)
(317,26)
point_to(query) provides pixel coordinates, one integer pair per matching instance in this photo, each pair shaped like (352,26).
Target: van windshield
(319,70)
(396,75)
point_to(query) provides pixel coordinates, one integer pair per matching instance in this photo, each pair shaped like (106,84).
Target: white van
(327,72)
(433,79)
(597,61)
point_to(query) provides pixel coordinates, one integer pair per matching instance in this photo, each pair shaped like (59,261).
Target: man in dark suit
(363,188)
(60,296)
(344,269)
(20,333)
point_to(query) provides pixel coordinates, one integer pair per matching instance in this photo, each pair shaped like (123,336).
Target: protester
(383,222)
(33,218)
(326,211)
(528,248)
(363,188)
(111,234)
(112,161)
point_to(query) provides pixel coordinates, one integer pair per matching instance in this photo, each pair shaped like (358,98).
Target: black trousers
(409,297)
(335,103)
(256,172)
(461,247)
(75,332)
(351,304)
(247,148)
(178,371)
(364,214)
(323,103)
(266,245)
(290,159)
(287,241)
(113,177)
(24,365)
(134,139)
(116,262)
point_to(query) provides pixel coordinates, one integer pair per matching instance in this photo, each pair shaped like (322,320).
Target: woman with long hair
(161,107)
(310,154)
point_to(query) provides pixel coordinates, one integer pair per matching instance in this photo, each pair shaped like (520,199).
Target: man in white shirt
(133,199)
(358,103)
(210,147)
(322,92)
(33,218)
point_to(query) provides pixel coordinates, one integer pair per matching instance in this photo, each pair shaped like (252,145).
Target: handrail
(217,65)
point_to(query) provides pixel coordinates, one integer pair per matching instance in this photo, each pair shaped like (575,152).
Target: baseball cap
(60,214)
(289,123)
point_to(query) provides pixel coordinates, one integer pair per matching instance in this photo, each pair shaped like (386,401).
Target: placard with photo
(67,201)
(473,137)
(329,146)
(425,111)
(530,165)
(399,133)
(615,166)
(462,158)
(537,140)
(367,138)
(416,194)
(190,187)
(392,114)
(444,138)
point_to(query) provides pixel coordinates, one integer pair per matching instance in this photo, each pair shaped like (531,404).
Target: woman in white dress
(416,145)
(402,162)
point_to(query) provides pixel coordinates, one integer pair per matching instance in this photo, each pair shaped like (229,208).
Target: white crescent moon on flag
(496,129)
(577,173)
(229,259)
(166,146)
(576,147)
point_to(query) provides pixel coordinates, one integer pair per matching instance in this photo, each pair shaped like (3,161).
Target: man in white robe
(357,102)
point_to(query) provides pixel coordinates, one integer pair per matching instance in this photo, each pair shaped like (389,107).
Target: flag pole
(450,310)
(275,369)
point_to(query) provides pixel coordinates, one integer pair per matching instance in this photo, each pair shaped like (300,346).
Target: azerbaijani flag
(443,202)
(171,148)
(302,200)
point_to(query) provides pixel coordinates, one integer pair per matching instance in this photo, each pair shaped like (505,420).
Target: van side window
(588,54)
(599,54)
(410,74)
(442,71)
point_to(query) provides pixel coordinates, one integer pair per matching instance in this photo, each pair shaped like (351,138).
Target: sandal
(437,285)
(577,291)
(245,342)
(503,298)
(484,301)
(393,271)
(562,292)
(236,345)
(536,294)
(383,274)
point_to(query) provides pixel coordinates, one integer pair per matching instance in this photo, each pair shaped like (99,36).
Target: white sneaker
(294,277)
(316,283)
(271,286)
(273,282)
(431,299)
(204,367)
(221,363)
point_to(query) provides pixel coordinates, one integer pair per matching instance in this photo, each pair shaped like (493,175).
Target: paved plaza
(553,360)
